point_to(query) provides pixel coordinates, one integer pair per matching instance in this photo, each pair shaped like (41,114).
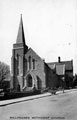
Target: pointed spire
(20,36)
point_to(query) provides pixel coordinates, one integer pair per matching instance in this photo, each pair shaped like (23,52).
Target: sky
(50,28)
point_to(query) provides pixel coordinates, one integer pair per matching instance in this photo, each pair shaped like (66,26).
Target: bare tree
(75,80)
(4,72)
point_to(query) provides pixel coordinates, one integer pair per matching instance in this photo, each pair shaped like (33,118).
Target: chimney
(59,59)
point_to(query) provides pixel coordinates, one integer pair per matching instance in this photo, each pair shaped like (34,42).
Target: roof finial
(21,17)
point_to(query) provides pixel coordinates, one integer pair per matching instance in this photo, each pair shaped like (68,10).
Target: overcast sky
(50,28)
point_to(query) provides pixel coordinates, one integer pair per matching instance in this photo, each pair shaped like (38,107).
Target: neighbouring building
(64,71)
(29,70)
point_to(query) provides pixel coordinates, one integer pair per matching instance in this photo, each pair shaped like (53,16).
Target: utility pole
(63,79)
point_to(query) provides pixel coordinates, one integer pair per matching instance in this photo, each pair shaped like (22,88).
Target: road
(56,107)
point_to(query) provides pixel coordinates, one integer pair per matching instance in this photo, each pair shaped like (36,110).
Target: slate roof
(68,64)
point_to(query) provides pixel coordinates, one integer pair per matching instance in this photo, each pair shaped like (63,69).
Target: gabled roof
(52,66)
(20,36)
(68,64)
(33,54)
(60,69)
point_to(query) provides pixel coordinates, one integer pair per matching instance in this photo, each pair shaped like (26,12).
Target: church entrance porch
(29,81)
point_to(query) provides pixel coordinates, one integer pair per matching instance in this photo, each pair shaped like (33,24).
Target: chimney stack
(59,60)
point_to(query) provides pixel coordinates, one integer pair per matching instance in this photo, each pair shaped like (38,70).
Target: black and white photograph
(38,59)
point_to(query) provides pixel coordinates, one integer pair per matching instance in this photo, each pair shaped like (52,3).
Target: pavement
(12,101)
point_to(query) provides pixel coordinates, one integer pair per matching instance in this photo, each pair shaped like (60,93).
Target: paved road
(56,107)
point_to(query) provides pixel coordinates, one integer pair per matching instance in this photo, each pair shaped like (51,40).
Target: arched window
(25,65)
(39,83)
(17,64)
(29,62)
(33,64)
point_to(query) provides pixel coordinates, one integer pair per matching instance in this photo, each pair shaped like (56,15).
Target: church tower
(17,62)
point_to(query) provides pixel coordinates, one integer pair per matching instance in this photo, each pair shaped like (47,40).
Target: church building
(29,70)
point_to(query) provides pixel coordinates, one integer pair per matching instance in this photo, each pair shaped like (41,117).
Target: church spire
(20,36)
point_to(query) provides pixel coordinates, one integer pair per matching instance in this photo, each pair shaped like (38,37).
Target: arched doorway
(29,81)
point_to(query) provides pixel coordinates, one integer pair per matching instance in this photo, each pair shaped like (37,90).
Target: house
(29,70)
(64,70)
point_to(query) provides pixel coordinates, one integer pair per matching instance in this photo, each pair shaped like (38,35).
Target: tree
(75,80)
(4,73)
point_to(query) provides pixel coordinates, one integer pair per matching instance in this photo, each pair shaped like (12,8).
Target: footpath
(12,101)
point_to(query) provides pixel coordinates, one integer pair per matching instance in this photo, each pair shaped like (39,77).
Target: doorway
(29,81)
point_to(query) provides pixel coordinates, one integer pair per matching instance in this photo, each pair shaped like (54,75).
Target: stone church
(29,70)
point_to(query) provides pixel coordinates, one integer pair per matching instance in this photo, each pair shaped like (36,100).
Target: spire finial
(21,17)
